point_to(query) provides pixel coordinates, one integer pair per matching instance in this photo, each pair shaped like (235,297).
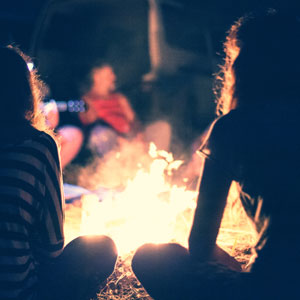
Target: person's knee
(71,133)
(71,138)
(142,255)
(105,245)
(153,257)
(85,263)
(103,248)
(98,244)
(76,138)
(95,251)
(102,139)
(143,264)
(78,135)
(161,269)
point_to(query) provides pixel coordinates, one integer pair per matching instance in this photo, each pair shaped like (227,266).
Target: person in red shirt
(107,120)
(104,103)
(110,117)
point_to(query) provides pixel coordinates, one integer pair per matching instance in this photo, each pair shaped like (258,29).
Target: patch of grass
(123,284)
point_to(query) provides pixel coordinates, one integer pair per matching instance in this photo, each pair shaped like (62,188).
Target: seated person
(107,120)
(109,115)
(112,116)
(34,262)
(255,142)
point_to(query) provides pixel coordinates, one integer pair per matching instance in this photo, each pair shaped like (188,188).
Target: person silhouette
(254,141)
(34,262)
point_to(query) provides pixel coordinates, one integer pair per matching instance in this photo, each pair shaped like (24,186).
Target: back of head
(263,60)
(20,96)
(15,87)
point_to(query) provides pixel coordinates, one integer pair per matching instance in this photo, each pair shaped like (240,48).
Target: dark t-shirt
(260,150)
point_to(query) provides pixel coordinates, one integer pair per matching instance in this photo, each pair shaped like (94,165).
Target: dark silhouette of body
(255,141)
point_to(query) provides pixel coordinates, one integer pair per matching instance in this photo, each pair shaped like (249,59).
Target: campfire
(142,204)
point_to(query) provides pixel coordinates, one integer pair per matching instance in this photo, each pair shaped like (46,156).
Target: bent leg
(71,142)
(162,269)
(167,272)
(84,264)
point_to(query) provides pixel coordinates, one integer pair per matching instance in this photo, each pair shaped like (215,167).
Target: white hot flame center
(149,210)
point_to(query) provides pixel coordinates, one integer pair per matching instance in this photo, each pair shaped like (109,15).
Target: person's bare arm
(213,191)
(127,109)
(90,115)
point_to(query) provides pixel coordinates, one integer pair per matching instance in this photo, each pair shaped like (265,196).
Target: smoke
(116,167)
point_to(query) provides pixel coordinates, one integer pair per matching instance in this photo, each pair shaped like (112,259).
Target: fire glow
(150,209)
(147,210)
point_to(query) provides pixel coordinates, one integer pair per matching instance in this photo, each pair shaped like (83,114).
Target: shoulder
(225,128)
(36,153)
(223,136)
(41,138)
(46,138)
(221,144)
(42,146)
(228,122)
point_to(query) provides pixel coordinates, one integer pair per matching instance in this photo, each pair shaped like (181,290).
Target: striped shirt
(31,213)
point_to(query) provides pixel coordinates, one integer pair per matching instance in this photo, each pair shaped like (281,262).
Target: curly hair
(262,62)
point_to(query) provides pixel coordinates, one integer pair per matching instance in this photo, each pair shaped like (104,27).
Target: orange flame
(148,210)
(151,209)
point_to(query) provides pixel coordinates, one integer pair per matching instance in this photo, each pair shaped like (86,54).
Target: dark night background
(66,37)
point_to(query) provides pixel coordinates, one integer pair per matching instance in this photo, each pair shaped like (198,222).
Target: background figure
(107,120)
(137,38)
(33,261)
(112,117)
(254,142)
(109,114)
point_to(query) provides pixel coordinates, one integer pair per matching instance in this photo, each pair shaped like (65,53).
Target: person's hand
(214,257)
(90,115)
(222,257)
